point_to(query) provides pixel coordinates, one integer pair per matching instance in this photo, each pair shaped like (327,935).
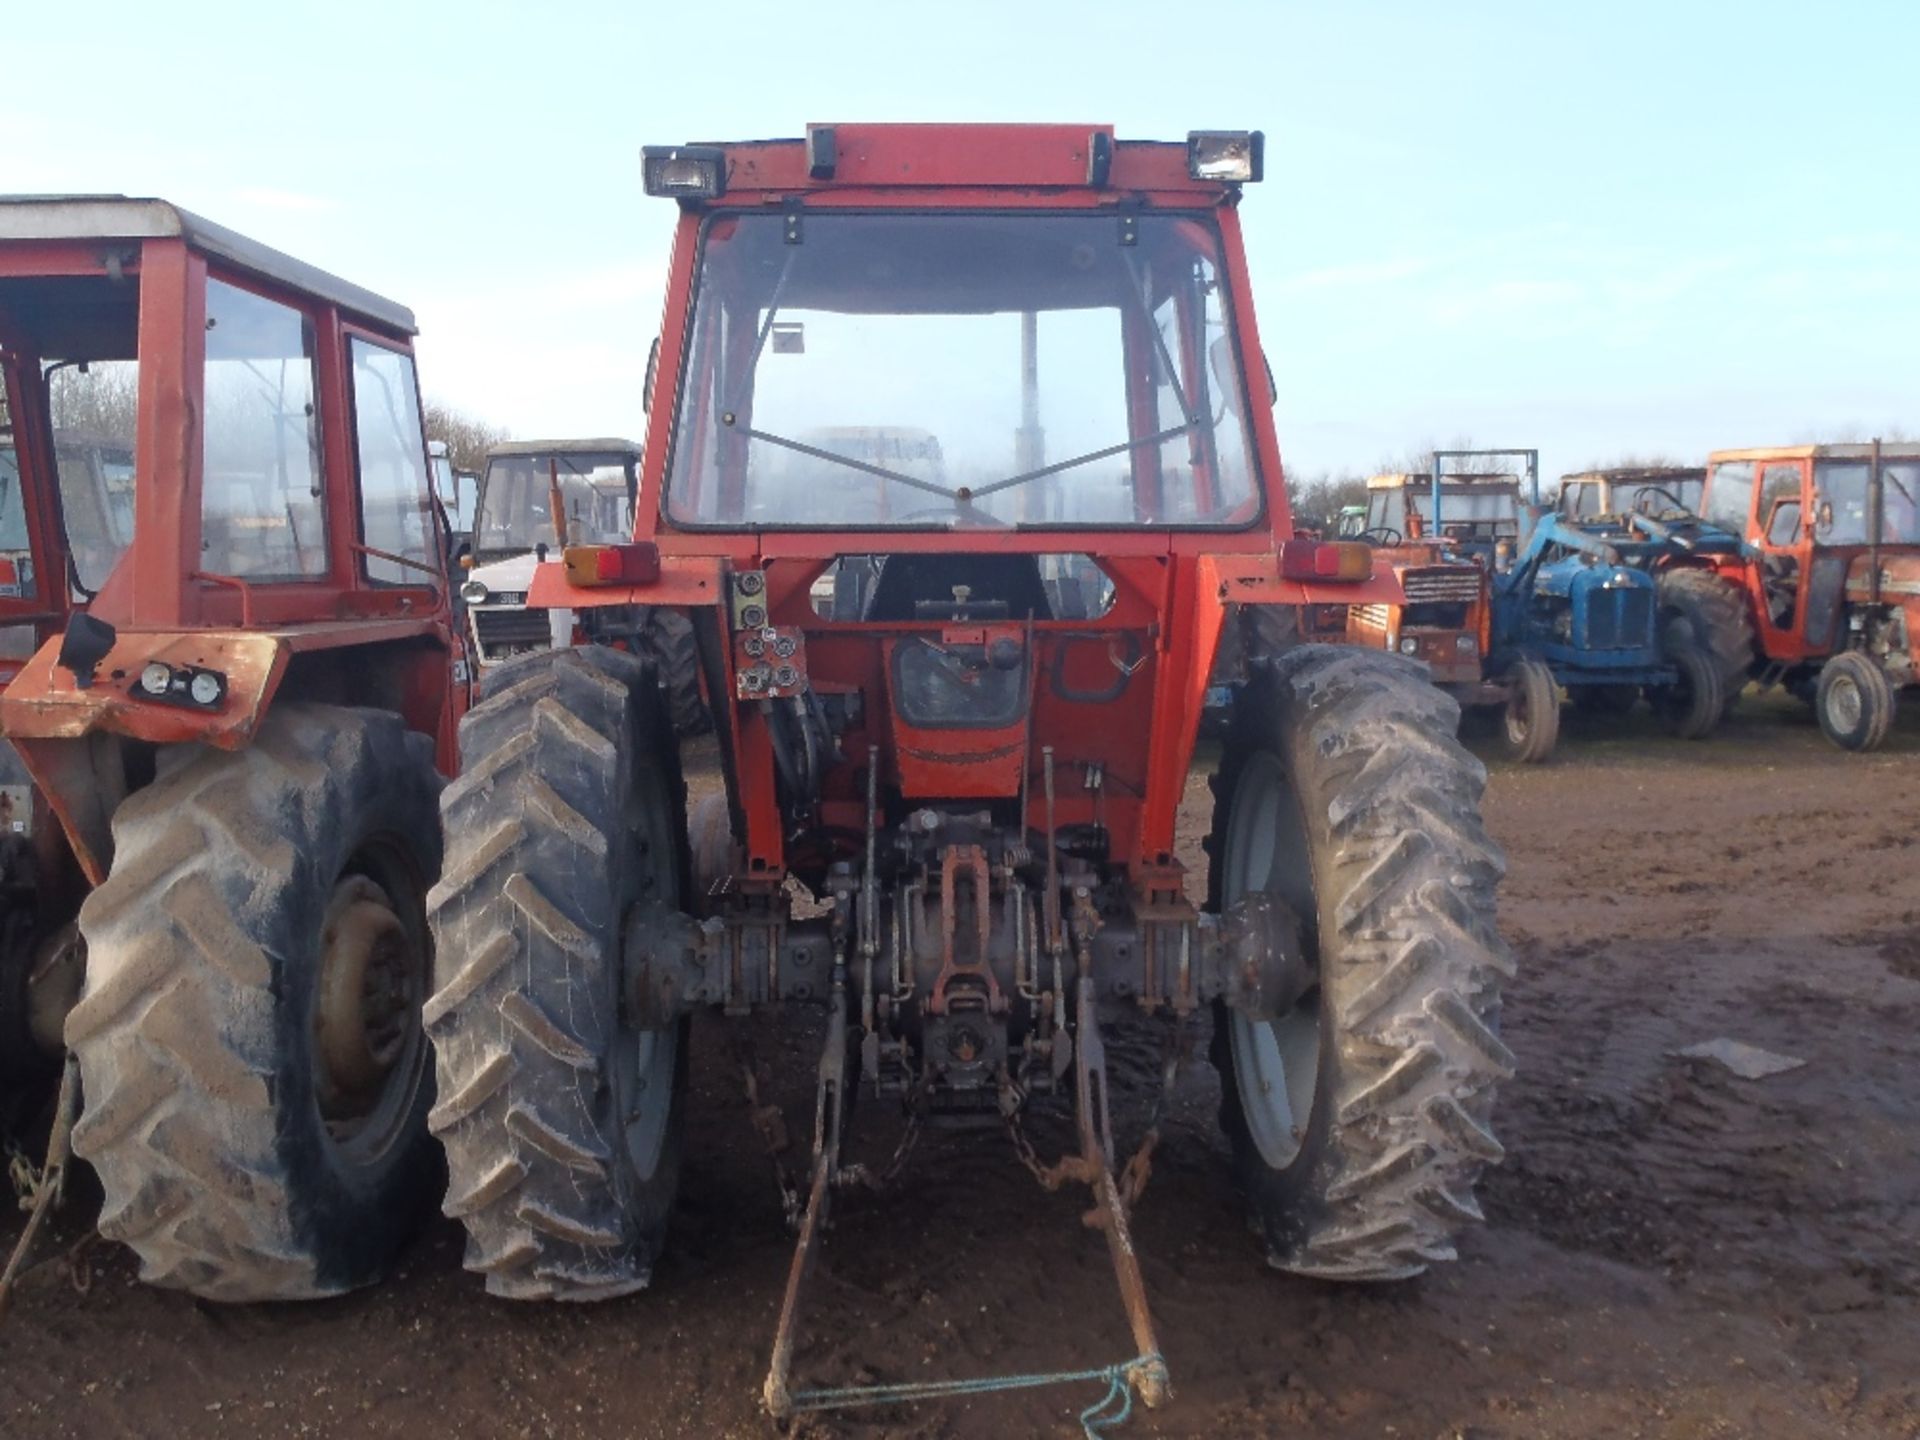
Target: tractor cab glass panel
(515,510)
(84,333)
(260,488)
(970,371)
(1580,499)
(96,495)
(1843,505)
(1657,495)
(16,554)
(396,496)
(1729,496)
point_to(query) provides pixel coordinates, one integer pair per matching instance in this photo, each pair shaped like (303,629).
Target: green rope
(1093,1422)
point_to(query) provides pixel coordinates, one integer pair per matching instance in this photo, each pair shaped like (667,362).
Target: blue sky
(1605,230)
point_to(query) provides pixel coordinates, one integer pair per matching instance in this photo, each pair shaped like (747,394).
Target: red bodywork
(1118,698)
(336,636)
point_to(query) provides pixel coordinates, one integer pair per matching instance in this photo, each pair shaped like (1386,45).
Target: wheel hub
(1843,703)
(367,996)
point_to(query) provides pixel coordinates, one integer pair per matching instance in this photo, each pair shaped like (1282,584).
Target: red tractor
(1824,580)
(971,760)
(235,684)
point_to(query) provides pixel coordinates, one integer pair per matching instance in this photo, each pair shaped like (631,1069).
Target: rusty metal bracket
(973,860)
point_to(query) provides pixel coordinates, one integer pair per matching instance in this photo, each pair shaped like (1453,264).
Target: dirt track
(1670,1251)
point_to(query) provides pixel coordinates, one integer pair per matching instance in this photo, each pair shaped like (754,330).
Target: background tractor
(1440,537)
(236,690)
(1828,574)
(538,496)
(972,775)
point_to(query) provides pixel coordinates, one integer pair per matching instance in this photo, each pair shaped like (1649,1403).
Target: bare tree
(1317,499)
(467,437)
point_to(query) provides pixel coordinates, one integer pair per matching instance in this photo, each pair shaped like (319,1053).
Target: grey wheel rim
(644,1067)
(1276,1063)
(1845,705)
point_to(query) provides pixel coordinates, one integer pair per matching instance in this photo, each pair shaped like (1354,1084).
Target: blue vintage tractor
(1573,609)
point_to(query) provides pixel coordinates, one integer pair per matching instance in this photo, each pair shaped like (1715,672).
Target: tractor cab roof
(1898,450)
(564,447)
(839,159)
(1631,473)
(121,217)
(1461,484)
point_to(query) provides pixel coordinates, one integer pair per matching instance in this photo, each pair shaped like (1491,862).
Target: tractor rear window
(961,370)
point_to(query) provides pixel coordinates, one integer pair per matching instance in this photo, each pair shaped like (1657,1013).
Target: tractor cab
(1467,512)
(1661,491)
(234,686)
(1830,570)
(536,497)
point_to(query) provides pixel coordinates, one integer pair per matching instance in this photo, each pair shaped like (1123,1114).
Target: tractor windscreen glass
(1842,504)
(516,501)
(260,496)
(968,371)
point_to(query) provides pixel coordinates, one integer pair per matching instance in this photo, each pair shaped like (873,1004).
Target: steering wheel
(1386,535)
(1641,504)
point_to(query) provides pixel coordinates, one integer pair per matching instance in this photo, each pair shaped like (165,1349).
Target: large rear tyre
(249,1037)
(1855,701)
(561,1121)
(1702,611)
(1361,1119)
(1530,723)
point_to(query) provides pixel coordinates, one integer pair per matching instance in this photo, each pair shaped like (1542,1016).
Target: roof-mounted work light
(1232,155)
(684,172)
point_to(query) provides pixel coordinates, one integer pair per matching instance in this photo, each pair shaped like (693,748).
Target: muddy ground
(1670,1250)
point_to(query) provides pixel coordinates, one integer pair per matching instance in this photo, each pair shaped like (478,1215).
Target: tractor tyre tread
(199,1117)
(1542,696)
(1411,966)
(1715,611)
(669,641)
(528,953)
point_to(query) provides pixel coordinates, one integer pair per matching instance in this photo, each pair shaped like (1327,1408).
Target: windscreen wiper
(817,453)
(1045,470)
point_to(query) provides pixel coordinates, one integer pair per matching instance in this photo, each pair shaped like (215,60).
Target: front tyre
(1530,722)
(1855,701)
(249,1037)
(561,1119)
(1361,1119)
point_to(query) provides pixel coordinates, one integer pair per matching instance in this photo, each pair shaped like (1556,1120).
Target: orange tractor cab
(1654,489)
(235,686)
(1444,617)
(1829,574)
(970,763)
